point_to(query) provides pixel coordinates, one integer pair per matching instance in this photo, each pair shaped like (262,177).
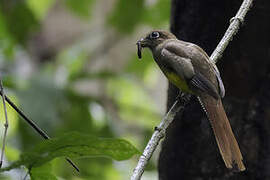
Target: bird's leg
(183,97)
(157,128)
(179,95)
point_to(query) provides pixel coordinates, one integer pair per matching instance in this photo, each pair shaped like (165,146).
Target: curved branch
(158,134)
(232,30)
(32,124)
(179,105)
(6,123)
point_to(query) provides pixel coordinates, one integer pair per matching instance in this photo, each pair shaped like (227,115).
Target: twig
(34,126)
(158,134)
(26,175)
(6,123)
(235,24)
(178,106)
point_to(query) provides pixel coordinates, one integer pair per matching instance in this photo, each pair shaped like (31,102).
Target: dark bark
(189,150)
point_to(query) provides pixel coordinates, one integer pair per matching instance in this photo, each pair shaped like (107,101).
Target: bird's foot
(183,97)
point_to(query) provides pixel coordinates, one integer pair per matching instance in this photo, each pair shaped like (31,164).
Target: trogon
(189,68)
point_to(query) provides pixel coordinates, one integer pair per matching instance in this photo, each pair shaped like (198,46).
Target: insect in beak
(139,49)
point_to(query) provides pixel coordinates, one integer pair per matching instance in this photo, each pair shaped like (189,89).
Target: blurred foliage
(74,145)
(118,102)
(135,105)
(39,8)
(126,15)
(80,7)
(19,19)
(158,14)
(6,39)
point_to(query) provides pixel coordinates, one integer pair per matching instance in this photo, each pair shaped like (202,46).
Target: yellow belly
(178,82)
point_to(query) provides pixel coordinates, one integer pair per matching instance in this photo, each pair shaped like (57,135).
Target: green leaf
(126,15)
(75,145)
(42,173)
(11,153)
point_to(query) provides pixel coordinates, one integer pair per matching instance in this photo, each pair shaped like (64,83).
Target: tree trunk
(189,151)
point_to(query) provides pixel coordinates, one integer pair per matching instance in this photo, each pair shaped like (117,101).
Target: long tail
(226,141)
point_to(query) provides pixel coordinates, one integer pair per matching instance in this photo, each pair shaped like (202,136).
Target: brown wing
(203,79)
(199,84)
(214,67)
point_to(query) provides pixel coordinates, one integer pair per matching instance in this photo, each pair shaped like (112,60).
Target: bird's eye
(154,35)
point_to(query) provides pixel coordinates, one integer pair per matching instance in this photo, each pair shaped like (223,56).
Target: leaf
(75,145)
(42,173)
(126,15)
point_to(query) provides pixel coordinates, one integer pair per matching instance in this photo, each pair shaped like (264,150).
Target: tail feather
(226,141)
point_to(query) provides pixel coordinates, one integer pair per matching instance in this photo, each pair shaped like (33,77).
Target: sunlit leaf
(12,117)
(75,145)
(43,172)
(11,153)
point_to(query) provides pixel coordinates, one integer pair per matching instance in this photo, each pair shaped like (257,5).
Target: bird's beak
(140,44)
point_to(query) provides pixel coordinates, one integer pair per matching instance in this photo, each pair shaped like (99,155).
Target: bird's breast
(178,81)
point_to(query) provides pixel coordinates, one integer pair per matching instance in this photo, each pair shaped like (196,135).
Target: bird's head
(153,39)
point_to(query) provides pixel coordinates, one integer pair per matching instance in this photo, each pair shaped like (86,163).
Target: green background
(71,66)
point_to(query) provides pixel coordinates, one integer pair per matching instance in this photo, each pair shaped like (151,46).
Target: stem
(33,125)
(5,125)
(232,30)
(158,134)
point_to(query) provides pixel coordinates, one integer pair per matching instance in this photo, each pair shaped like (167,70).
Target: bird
(189,68)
